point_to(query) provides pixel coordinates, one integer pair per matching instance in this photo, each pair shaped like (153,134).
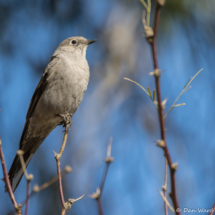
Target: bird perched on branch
(59,92)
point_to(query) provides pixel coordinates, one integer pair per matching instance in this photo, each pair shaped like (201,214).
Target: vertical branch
(28,177)
(28,195)
(65,205)
(60,186)
(7,182)
(57,158)
(212,210)
(37,188)
(99,190)
(165,187)
(100,206)
(157,74)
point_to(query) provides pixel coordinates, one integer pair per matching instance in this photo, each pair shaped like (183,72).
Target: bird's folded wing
(36,96)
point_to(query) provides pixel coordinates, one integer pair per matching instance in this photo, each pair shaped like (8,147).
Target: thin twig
(7,182)
(65,205)
(67,169)
(64,143)
(148,12)
(182,92)
(166,201)
(147,92)
(37,188)
(100,206)
(160,108)
(27,176)
(98,193)
(138,85)
(28,195)
(108,161)
(165,187)
(148,9)
(60,188)
(212,210)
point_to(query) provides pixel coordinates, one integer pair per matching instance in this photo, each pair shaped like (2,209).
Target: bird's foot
(66,122)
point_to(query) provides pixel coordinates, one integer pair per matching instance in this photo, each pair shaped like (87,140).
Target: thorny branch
(7,183)
(99,190)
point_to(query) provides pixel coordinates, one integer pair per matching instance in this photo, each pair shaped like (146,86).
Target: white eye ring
(73,42)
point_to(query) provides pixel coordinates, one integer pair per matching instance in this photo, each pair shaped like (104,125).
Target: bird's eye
(74,42)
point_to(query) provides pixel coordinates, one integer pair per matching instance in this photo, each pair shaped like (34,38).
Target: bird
(59,92)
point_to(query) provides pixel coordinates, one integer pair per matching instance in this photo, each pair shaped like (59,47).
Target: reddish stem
(104,178)
(7,182)
(100,206)
(160,109)
(165,185)
(212,210)
(28,196)
(60,187)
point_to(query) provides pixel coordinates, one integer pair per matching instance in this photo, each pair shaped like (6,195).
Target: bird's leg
(66,122)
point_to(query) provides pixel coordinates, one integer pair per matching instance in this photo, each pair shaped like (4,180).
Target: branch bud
(30,177)
(96,194)
(161,2)
(109,159)
(161,143)
(149,33)
(163,103)
(164,188)
(20,152)
(174,166)
(68,168)
(157,73)
(70,202)
(36,188)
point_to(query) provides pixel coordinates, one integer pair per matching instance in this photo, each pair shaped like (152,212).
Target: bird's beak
(90,42)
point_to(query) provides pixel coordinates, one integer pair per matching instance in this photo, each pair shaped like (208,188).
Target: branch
(152,97)
(66,119)
(164,188)
(148,9)
(28,178)
(27,198)
(212,210)
(99,190)
(185,89)
(7,182)
(37,188)
(166,202)
(157,75)
(65,205)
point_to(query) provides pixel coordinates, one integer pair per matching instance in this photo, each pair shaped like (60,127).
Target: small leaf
(178,105)
(150,94)
(137,85)
(154,94)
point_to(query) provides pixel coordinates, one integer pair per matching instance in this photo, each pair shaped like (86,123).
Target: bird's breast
(65,90)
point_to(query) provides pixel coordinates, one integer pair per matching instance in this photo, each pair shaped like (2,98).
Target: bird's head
(76,45)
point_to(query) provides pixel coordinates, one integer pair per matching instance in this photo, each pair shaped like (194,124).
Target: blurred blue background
(30,31)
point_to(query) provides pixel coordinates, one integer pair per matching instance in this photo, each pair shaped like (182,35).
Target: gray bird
(59,92)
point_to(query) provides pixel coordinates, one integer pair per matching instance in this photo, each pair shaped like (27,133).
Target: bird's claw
(66,122)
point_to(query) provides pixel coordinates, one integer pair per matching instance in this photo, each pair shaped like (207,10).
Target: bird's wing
(36,96)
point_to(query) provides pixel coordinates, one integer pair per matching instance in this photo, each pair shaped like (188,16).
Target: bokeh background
(30,31)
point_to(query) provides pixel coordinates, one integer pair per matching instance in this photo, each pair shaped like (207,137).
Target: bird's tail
(16,171)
